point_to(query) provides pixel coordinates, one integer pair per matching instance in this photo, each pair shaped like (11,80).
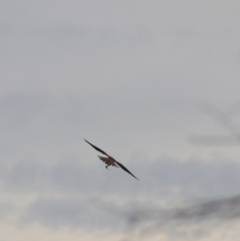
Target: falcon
(110,161)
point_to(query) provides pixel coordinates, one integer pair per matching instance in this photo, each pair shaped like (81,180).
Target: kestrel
(110,161)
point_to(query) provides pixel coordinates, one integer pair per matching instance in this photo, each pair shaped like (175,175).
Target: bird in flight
(110,161)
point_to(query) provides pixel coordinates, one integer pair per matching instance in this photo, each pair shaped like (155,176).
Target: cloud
(42,141)
(6,208)
(221,209)
(109,70)
(224,119)
(193,178)
(70,194)
(87,213)
(204,216)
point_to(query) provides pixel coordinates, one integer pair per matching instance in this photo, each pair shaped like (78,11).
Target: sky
(155,84)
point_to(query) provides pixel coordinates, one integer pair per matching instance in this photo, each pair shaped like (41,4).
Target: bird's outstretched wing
(96,148)
(125,169)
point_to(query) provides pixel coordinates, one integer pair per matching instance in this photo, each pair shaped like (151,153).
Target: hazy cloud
(162,176)
(204,215)
(6,208)
(84,213)
(125,76)
(225,120)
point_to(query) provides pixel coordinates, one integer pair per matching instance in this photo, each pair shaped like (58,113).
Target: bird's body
(110,161)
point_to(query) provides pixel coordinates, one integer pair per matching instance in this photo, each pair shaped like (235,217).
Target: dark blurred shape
(226,208)
(213,211)
(225,120)
(234,109)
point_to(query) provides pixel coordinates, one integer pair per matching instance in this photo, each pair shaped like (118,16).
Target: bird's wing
(118,163)
(125,169)
(96,148)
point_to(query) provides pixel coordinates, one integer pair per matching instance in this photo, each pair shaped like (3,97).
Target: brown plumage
(110,161)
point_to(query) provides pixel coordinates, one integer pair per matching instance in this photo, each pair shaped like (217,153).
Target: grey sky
(129,77)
